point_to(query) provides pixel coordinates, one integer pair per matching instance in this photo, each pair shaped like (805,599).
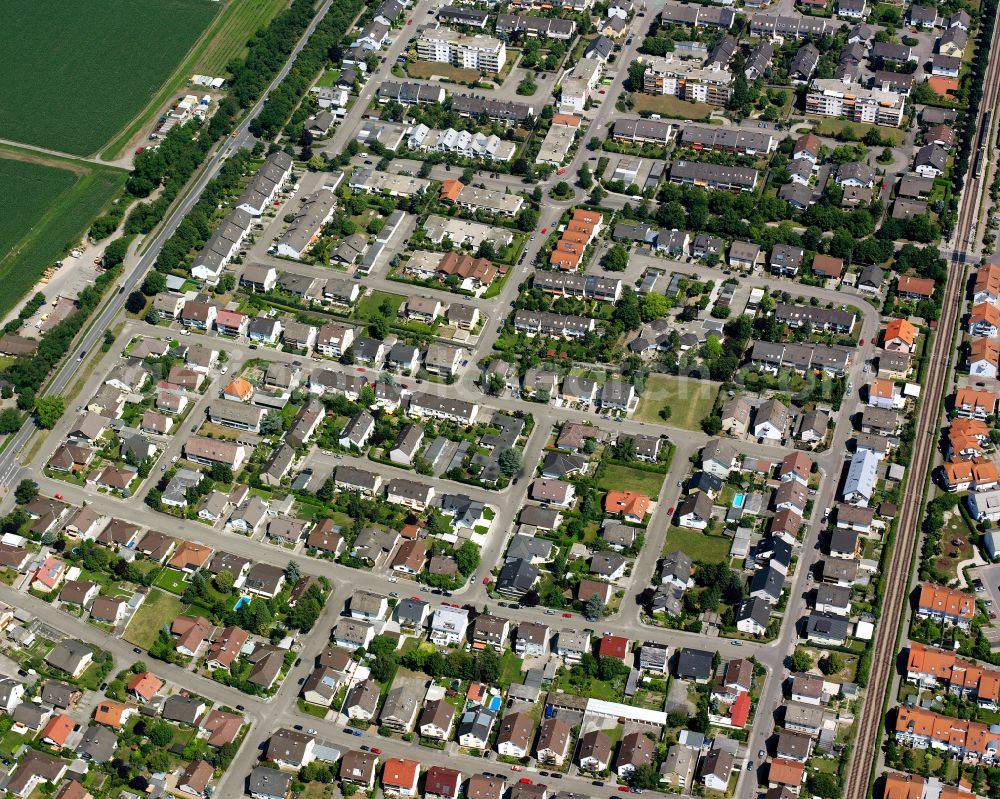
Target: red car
(359,369)
(516,768)
(524,781)
(59,496)
(567,615)
(601,91)
(486,581)
(671,511)
(409,22)
(861,342)
(545,230)
(376,750)
(622,788)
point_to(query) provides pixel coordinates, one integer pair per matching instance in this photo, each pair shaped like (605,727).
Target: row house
(930,667)
(971,741)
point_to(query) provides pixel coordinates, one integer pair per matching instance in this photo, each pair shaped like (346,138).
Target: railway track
(864,756)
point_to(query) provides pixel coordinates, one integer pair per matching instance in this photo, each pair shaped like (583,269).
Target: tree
(823,784)
(624,449)
(136,302)
(495,386)
(594,608)
(586,177)
(115,252)
(562,189)
(646,776)
(25,492)
(293,572)
(615,259)
(467,557)
(271,424)
(653,306)
(831,664)
(224,581)
(159,734)
(48,410)
(636,71)
(154,283)
(220,473)
(712,425)
(10,421)
(801,660)
(510,461)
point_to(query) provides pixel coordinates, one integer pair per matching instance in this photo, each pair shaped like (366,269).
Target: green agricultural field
(689,401)
(76,73)
(47,209)
(234,28)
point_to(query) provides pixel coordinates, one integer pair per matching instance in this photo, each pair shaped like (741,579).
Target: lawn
(956,543)
(689,401)
(511,669)
(171,580)
(428,69)
(47,210)
(831,127)
(158,610)
(670,106)
(76,73)
(624,478)
(368,306)
(697,545)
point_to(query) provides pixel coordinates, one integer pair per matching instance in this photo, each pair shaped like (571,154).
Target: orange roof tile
(922,286)
(190,555)
(630,503)
(399,773)
(903,786)
(882,388)
(145,683)
(238,387)
(988,279)
(112,713)
(943,86)
(973,399)
(939,599)
(786,772)
(902,330)
(984,349)
(985,312)
(566,119)
(450,189)
(58,729)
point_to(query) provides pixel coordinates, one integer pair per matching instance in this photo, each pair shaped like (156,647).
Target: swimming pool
(243,600)
(738,500)
(495,703)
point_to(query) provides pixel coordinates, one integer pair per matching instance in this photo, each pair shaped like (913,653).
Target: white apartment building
(688,80)
(832,98)
(446,46)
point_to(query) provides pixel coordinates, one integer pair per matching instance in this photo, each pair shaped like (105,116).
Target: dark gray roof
(694,663)
(98,744)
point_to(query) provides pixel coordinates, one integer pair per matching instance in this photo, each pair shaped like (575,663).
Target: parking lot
(989,594)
